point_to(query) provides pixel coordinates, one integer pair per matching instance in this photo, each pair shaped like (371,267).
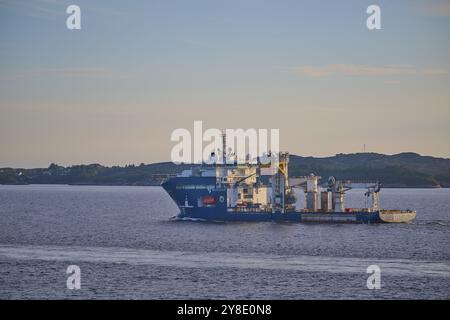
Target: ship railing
(246,209)
(162,177)
(396,211)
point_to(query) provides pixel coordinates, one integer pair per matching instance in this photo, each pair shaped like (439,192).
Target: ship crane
(372,192)
(236,183)
(233,185)
(338,188)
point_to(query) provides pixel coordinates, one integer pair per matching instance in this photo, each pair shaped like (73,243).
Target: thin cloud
(68,72)
(47,9)
(54,9)
(436,8)
(109,110)
(436,72)
(364,70)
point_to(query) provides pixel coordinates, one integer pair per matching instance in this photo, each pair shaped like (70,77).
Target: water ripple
(183,259)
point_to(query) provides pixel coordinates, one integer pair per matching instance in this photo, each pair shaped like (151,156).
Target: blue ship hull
(186,192)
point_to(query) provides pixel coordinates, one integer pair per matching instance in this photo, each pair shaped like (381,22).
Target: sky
(113,92)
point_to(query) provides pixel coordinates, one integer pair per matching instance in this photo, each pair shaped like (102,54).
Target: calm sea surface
(126,247)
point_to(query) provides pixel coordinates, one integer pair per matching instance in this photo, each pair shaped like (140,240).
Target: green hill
(399,170)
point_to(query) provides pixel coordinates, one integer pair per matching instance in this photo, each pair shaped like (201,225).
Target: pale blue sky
(113,91)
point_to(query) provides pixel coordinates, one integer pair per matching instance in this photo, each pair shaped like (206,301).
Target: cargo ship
(263,191)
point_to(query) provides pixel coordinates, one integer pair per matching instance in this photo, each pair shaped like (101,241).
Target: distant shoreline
(403,170)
